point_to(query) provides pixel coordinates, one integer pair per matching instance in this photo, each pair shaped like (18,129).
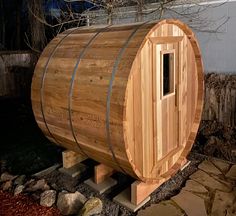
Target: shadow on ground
(23,147)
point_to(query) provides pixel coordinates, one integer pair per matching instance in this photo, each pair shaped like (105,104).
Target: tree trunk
(18,24)
(37,29)
(2,24)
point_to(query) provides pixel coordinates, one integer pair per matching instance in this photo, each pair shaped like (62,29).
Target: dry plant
(189,11)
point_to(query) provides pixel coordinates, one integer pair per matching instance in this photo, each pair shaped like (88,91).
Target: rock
(7,185)
(167,208)
(91,207)
(231,174)
(222,165)
(223,204)
(48,198)
(39,185)
(193,186)
(208,181)
(190,203)
(36,196)
(70,203)
(208,167)
(19,189)
(55,187)
(20,180)
(7,177)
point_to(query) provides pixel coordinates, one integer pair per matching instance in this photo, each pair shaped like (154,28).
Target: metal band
(43,80)
(72,84)
(114,70)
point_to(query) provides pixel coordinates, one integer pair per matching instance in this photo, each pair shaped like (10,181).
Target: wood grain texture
(149,135)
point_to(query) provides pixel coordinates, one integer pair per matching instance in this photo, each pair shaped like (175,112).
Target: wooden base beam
(141,190)
(71,158)
(101,181)
(102,172)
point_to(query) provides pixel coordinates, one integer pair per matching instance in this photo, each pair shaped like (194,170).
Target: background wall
(214,25)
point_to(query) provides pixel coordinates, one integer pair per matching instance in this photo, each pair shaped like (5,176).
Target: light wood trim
(164,40)
(101,172)
(167,157)
(172,74)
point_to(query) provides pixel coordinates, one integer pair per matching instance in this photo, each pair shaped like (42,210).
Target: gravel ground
(164,192)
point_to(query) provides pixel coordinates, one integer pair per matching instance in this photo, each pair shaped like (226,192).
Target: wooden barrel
(128,96)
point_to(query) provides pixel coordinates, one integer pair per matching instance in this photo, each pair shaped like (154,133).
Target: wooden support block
(141,190)
(124,199)
(71,158)
(102,172)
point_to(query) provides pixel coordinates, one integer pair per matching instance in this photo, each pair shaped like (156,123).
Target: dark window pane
(166,73)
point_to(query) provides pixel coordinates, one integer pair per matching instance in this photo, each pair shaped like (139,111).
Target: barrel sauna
(128,96)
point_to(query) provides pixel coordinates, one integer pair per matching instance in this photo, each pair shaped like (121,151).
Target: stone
(70,203)
(231,174)
(7,177)
(208,167)
(124,199)
(55,187)
(74,171)
(224,204)
(48,198)
(194,186)
(91,207)
(222,165)
(39,185)
(192,205)
(7,185)
(20,180)
(167,208)
(103,186)
(208,181)
(47,171)
(19,189)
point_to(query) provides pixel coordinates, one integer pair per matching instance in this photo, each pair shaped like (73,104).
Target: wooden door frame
(177,73)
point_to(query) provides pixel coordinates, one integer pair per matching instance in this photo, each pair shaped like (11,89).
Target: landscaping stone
(208,167)
(20,180)
(224,204)
(19,189)
(223,166)
(91,207)
(190,203)
(70,203)
(206,180)
(7,177)
(166,208)
(231,174)
(194,186)
(48,198)
(7,185)
(39,185)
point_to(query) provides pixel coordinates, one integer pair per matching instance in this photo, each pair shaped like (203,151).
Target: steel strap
(72,84)
(43,80)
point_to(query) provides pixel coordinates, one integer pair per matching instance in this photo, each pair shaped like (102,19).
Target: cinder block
(101,187)
(124,199)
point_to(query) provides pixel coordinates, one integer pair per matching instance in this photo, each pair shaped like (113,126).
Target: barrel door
(166,72)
